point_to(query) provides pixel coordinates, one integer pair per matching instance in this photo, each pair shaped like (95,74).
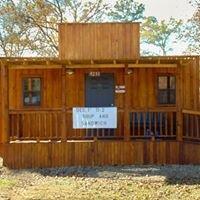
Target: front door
(99,92)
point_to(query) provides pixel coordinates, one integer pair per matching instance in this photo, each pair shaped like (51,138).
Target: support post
(127,104)
(179,95)
(4,104)
(63,82)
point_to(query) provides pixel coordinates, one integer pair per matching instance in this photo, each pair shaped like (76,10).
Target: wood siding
(190,74)
(61,91)
(99,41)
(0,110)
(99,153)
(46,119)
(75,93)
(143,87)
(50,88)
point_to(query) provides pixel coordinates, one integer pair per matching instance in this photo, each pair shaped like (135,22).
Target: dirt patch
(119,182)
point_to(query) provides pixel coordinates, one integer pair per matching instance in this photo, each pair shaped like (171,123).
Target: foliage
(192,30)
(37,24)
(127,10)
(14,35)
(160,34)
(30,26)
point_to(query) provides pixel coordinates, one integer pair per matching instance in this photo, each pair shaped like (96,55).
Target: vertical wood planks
(190,84)
(51,90)
(88,153)
(38,125)
(4,104)
(63,92)
(83,41)
(179,104)
(127,105)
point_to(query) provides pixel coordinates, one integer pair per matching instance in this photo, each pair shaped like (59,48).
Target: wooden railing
(191,125)
(35,125)
(47,125)
(153,124)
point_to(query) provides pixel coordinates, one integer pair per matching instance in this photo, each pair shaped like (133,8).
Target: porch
(37,142)
(146,132)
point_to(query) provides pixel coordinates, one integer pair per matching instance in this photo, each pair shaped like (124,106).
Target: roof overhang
(143,62)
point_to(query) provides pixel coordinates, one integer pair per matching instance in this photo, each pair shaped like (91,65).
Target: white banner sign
(94,117)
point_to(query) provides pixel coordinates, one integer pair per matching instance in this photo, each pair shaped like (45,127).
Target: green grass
(6,183)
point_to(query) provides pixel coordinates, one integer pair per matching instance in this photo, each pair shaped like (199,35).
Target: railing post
(63,82)
(4,104)
(127,104)
(179,94)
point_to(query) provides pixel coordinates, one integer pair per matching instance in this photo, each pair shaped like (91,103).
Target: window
(31,91)
(166,90)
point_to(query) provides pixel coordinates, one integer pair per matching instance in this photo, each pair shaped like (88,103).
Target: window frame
(41,89)
(168,89)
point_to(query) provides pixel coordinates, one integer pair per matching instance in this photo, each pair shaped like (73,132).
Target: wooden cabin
(99,103)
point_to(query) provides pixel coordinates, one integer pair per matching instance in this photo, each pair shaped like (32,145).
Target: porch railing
(35,125)
(153,123)
(191,125)
(47,125)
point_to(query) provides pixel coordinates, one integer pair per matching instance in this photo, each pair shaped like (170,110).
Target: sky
(164,9)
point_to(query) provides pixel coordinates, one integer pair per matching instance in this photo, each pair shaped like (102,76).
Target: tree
(39,19)
(14,36)
(192,31)
(160,35)
(126,10)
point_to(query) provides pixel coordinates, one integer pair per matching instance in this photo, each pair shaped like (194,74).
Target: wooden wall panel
(191,152)
(75,97)
(191,83)
(144,86)
(99,153)
(99,41)
(75,86)
(51,87)
(0,108)
(4,104)
(1,150)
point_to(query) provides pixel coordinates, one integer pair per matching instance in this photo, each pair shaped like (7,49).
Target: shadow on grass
(172,174)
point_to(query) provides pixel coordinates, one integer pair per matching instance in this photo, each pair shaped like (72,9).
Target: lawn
(117,182)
